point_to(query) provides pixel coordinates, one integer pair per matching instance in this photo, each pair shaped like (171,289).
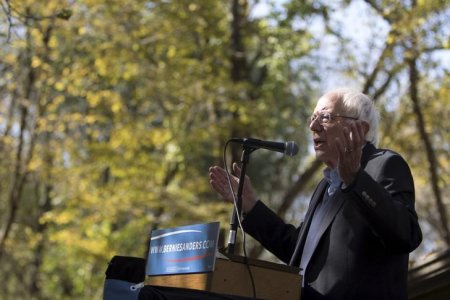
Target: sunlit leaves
(128,104)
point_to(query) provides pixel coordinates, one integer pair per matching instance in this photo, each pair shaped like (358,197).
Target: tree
(128,105)
(112,111)
(417,29)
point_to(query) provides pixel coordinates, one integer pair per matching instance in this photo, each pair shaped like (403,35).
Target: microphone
(288,148)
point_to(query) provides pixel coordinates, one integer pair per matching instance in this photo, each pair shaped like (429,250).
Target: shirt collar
(332,177)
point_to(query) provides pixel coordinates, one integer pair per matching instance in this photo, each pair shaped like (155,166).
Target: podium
(231,277)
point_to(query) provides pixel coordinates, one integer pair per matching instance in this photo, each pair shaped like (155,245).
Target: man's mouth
(318,143)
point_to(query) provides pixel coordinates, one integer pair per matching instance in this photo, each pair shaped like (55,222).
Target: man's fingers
(236,170)
(358,136)
(219,181)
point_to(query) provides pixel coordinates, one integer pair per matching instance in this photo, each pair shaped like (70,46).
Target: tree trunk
(238,65)
(430,153)
(21,159)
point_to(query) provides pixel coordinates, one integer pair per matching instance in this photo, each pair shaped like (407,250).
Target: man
(361,223)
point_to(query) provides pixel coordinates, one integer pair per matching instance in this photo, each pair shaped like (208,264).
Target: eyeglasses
(325,117)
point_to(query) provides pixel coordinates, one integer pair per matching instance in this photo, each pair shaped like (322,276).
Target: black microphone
(288,148)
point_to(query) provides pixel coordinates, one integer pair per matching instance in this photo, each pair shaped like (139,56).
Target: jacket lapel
(317,196)
(336,202)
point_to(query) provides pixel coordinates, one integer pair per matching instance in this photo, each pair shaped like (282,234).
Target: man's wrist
(248,210)
(347,187)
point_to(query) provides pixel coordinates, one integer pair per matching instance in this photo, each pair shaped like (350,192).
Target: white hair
(358,105)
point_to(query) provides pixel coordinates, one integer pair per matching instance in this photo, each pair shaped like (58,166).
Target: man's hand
(219,181)
(349,148)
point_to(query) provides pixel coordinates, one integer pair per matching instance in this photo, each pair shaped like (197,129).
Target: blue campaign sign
(182,250)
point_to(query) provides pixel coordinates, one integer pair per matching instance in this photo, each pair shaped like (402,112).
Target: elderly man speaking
(361,223)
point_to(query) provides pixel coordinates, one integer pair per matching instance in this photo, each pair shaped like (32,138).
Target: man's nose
(315,125)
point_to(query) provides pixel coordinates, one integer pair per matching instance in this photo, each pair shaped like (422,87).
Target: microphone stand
(245,158)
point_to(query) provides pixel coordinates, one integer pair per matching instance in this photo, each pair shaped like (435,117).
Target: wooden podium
(231,277)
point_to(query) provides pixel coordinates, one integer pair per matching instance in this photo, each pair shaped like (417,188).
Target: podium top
(260,263)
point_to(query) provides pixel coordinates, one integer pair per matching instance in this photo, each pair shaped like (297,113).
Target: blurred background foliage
(112,111)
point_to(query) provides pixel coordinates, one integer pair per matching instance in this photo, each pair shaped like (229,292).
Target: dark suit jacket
(365,238)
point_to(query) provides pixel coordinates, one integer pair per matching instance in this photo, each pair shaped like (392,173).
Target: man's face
(326,127)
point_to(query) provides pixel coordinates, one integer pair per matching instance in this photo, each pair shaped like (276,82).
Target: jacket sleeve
(271,231)
(383,193)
